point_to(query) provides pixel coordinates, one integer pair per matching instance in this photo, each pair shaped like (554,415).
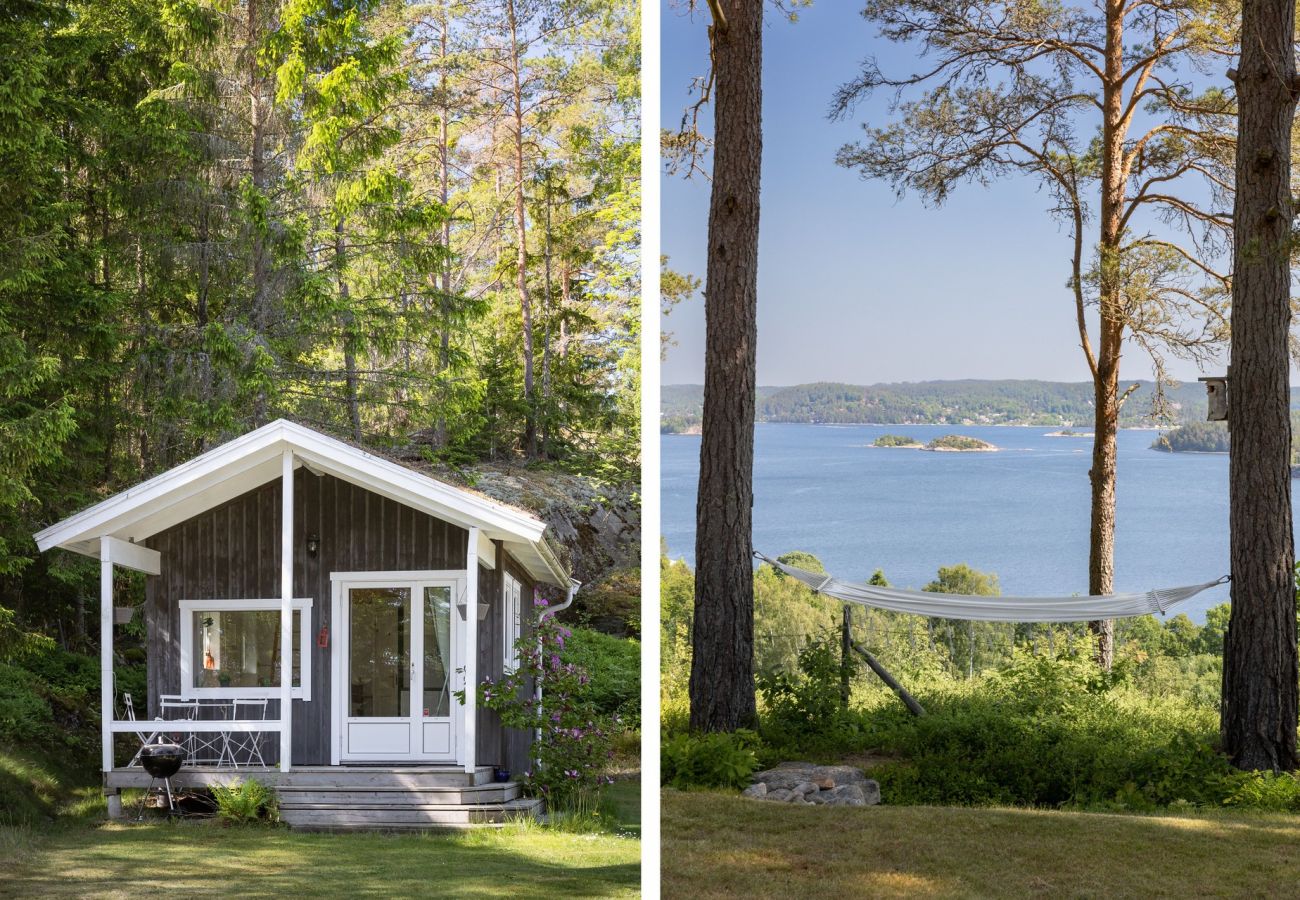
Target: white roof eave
(253,459)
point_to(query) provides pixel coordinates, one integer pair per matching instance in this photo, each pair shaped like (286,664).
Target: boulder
(804,782)
(839,774)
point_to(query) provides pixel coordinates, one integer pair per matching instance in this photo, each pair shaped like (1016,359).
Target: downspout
(574,584)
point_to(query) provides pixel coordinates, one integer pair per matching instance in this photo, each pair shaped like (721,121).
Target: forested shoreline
(966,402)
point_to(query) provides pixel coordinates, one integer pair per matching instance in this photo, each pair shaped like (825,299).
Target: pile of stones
(801,782)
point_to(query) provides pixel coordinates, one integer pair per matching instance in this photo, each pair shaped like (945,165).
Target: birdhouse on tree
(1216,393)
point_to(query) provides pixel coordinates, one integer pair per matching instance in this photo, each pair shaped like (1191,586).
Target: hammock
(997,609)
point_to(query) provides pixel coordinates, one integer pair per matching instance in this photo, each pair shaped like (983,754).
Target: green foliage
(186,260)
(1029,720)
(613,665)
(895,440)
(575,746)
(722,760)
(1201,437)
(245,802)
(962,579)
(958,442)
(787,614)
(802,711)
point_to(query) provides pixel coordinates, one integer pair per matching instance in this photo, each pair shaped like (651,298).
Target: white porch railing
(168,726)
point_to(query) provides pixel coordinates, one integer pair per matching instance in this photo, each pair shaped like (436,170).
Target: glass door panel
(437,652)
(379,652)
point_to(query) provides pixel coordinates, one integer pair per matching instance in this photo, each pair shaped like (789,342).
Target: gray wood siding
(233,552)
(517,745)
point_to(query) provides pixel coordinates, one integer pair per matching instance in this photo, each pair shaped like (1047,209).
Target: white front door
(396,656)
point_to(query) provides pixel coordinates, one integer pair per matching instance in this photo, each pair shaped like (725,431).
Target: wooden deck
(362,797)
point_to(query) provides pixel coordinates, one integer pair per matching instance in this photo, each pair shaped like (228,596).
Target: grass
(620,803)
(719,845)
(202,859)
(62,850)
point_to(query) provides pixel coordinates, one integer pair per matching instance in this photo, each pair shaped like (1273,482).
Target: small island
(897,441)
(959,443)
(1194,437)
(1069,433)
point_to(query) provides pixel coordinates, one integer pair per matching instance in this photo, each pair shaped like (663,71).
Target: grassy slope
(717,845)
(191,859)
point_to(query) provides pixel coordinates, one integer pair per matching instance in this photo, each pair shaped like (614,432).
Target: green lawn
(193,859)
(719,845)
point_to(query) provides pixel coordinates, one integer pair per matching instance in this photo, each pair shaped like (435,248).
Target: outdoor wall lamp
(313,544)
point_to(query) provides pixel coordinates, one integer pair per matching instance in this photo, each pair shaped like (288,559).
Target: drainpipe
(574,584)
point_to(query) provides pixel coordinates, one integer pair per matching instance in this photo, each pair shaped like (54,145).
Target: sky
(856,285)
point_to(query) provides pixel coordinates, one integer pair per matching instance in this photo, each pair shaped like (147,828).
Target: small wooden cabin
(388,591)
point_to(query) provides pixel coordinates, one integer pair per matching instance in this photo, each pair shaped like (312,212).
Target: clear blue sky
(855,285)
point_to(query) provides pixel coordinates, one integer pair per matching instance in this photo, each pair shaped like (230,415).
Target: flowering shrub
(575,746)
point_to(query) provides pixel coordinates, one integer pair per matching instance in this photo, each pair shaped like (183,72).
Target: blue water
(1021,513)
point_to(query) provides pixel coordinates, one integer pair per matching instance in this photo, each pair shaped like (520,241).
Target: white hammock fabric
(998,609)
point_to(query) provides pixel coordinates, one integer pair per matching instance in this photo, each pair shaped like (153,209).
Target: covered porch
(324,604)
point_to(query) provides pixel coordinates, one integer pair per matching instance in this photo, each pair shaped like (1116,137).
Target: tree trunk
(1258,723)
(444,195)
(846,643)
(1101,543)
(257,169)
(548,308)
(722,666)
(206,387)
(349,337)
(521,233)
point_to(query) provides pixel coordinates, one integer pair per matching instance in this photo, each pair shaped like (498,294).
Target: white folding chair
(248,743)
(175,707)
(128,705)
(212,748)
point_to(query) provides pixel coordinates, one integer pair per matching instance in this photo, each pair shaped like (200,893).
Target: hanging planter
(482,610)
(123,614)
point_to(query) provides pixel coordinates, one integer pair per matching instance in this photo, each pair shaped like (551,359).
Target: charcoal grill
(161,761)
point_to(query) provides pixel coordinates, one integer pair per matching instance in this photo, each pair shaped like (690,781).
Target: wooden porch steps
(405,816)
(366,797)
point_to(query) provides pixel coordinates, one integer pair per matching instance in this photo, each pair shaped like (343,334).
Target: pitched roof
(247,462)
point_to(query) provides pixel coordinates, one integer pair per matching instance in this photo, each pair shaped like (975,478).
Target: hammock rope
(975,608)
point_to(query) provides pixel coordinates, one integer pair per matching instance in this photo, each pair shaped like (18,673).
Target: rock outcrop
(597,526)
(802,782)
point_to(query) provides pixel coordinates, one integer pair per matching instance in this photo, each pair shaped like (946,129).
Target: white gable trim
(254,459)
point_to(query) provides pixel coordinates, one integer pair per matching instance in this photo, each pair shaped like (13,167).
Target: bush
(803,712)
(576,740)
(614,664)
(1278,792)
(244,803)
(722,760)
(1054,733)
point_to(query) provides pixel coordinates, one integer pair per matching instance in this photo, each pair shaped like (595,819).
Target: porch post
(471,651)
(106,651)
(286,610)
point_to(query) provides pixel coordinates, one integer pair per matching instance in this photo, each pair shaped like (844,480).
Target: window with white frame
(231,648)
(513,621)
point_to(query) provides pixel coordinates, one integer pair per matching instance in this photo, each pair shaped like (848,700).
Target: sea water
(1021,512)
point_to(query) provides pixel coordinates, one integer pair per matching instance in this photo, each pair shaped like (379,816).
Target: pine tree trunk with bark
(521,229)
(257,169)
(1259,708)
(352,382)
(440,436)
(722,666)
(1105,451)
